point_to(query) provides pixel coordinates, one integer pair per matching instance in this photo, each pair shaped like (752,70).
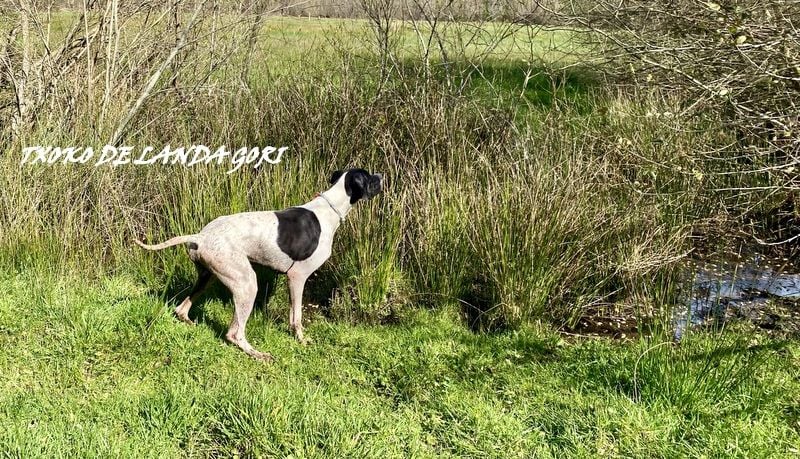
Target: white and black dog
(295,241)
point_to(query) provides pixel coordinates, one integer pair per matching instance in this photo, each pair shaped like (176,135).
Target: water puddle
(762,290)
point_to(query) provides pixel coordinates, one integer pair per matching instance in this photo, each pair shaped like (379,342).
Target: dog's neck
(336,201)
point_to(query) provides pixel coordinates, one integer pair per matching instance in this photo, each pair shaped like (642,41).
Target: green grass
(99,369)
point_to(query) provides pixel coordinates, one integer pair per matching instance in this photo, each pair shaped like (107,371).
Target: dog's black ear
(335,176)
(355,184)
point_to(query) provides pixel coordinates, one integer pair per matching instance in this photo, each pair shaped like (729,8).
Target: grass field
(104,370)
(523,193)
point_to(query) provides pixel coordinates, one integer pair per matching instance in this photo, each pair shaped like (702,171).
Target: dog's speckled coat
(227,246)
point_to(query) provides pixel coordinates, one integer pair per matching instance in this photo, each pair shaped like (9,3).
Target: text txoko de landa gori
(127,155)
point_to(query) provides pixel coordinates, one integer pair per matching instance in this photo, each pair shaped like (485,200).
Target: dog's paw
(186,320)
(262,356)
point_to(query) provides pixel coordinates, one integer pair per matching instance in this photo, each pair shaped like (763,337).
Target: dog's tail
(192,238)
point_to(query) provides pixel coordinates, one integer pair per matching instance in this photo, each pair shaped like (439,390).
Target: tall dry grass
(514,207)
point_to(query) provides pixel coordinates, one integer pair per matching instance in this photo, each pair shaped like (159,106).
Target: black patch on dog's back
(298,232)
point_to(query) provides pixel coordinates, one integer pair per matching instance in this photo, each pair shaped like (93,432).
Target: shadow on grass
(425,362)
(484,354)
(319,291)
(479,307)
(535,86)
(515,84)
(737,349)
(704,379)
(179,287)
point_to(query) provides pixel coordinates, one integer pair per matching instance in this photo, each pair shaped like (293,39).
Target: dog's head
(358,183)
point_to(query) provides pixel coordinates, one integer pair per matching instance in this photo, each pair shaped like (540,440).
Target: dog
(295,241)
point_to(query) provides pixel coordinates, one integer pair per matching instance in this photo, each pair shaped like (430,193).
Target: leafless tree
(112,59)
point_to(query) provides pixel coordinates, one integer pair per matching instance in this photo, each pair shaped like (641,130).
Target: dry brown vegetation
(522,187)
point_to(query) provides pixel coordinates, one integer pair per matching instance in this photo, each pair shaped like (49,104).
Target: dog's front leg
(297,282)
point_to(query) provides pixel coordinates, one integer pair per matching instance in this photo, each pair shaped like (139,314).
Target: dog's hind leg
(238,275)
(203,277)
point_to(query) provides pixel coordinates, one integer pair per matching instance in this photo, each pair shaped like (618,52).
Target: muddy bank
(755,290)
